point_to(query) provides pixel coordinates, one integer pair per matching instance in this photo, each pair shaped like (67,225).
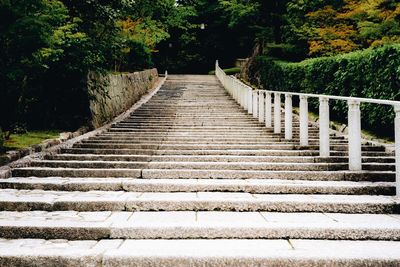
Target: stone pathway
(190,179)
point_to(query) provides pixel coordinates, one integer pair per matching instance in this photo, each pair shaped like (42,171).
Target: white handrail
(250,98)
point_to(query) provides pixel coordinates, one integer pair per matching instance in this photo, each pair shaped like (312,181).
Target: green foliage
(50,46)
(372,73)
(138,57)
(351,25)
(18,141)
(239,11)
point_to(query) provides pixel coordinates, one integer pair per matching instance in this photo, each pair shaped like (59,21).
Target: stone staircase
(190,179)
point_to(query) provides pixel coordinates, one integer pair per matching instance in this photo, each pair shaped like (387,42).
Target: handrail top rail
(344,98)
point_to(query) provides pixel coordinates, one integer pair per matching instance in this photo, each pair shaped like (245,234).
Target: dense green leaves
(373,73)
(50,46)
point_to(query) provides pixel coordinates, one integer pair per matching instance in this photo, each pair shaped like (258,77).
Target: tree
(351,26)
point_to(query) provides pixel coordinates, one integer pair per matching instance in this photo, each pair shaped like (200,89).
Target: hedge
(371,73)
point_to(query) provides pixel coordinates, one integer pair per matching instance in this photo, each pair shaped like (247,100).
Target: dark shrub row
(371,73)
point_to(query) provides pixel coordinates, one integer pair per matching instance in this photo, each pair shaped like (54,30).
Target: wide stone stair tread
(212,158)
(200,185)
(207,173)
(192,179)
(23,200)
(304,166)
(189,225)
(246,152)
(198,252)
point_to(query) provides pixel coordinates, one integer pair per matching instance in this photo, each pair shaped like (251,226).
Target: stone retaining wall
(113,94)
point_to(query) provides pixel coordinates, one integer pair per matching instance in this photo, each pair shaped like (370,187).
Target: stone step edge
(219,252)
(198,185)
(208,173)
(93,230)
(204,158)
(12,200)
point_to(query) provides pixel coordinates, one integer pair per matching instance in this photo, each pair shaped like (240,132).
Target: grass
(18,141)
(229,71)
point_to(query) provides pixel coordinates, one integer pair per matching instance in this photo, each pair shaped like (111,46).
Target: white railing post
(235,88)
(324,145)
(249,100)
(277,113)
(354,124)
(268,110)
(240,94)
(397,148)
(303,121)
(230,87)
(255,103)
(235,92)
(245,101)
(288,117)
(261,106)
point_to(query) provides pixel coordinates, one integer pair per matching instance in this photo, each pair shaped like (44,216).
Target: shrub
(371,73)
(138,58)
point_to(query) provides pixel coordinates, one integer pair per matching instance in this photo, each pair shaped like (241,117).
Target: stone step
(199,141)
(286,175)
(196,124)
(200,185)
(73,225)
(183,146)
(184,139)
(229,129)
(191,116)
(298,166)
(198,252)
(208,135)
(266,132)
(190,121)
(28,200)
(206,174)
(220,158)
(243,152)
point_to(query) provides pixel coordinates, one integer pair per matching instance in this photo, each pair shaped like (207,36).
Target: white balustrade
(324,145)
(249,100)
(288,117)
(354,117)
(259,103)
(303,121)
(261,106)
(255,104)
(242,96)
(277,113)
(244,92)
(268,110)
